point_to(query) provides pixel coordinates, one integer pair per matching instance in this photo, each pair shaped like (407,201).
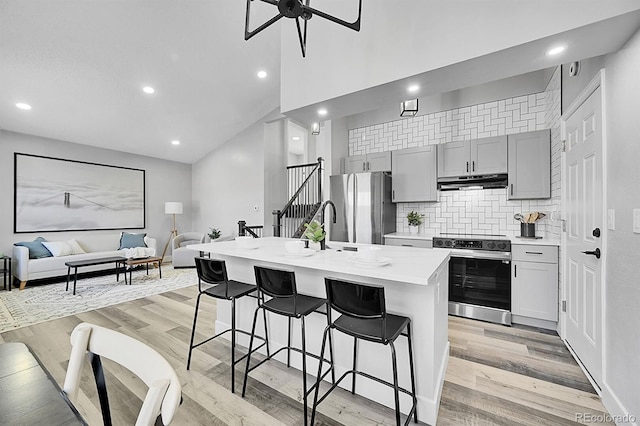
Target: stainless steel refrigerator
(364,211)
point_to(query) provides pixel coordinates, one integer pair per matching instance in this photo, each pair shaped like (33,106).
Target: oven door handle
(470,254)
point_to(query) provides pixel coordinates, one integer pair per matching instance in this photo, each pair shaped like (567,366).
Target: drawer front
(408,242)
(534,253)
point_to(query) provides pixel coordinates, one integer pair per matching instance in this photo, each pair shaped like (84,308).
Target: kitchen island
(416,285)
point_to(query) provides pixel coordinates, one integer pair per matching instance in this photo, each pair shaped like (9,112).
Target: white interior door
(583,171)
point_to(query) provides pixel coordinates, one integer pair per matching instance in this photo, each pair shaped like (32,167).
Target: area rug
(45,302)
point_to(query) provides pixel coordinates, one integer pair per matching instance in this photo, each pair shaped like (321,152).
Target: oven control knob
(502,246)
(491,246)
(448,243)
(439,243)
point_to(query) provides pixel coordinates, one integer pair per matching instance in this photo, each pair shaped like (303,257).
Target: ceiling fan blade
(305,31)
(355,25)
(303,41)
(248,34)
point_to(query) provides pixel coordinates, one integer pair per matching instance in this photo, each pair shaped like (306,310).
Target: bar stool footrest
(377,379)
(295,350)
(264,342)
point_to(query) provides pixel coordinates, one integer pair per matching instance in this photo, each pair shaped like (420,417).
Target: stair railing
(254,230)
(305,182)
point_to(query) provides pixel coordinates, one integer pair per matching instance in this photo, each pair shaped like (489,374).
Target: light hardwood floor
(496,375)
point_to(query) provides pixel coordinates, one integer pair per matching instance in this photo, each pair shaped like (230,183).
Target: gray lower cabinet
(414,174)
(529,165)
(374,162)
(408,242)
(534,281)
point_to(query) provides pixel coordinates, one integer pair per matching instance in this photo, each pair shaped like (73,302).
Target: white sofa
(95,246)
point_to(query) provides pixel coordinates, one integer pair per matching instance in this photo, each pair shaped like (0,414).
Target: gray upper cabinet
(475,157)
(414,174)
(489,155)
(374,162)
(355,163)
(529,165)
(453,158)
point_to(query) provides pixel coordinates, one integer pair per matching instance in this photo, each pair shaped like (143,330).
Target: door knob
(595,253)
(596,233)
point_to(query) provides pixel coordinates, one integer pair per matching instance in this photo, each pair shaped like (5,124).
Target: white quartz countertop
(545,241)
(408,236)
(535,241)
(406,264)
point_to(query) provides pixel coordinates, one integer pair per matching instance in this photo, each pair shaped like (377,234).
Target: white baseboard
(619,414)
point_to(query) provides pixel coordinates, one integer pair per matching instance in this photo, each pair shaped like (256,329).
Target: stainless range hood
(472,182)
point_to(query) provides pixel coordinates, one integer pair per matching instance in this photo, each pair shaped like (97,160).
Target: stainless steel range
(479,276)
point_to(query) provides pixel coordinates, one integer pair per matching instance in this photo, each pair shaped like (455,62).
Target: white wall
(622,285)
(573,86)
(341,61)
(512,87)
(165,181)
(229,181)
(275,177)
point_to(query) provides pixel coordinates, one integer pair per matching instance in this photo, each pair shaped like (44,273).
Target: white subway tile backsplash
(484,211)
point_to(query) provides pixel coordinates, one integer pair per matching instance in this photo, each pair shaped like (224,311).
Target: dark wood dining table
(28,393)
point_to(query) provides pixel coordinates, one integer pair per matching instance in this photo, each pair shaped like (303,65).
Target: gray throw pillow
(36,249)
(132,240)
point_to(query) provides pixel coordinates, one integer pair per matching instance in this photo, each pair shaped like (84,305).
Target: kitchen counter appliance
(363,205)
(473,182)
(479,276)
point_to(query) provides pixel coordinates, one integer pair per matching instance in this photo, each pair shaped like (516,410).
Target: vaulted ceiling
(81,65)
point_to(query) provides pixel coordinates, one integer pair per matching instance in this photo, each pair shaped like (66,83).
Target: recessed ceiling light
(413,88)
(322,111)
(555,50)
(262,74)
(23,106)
(175,142)
(148,90)
(296,138)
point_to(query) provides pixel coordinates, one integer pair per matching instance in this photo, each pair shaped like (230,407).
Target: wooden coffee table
(141,261)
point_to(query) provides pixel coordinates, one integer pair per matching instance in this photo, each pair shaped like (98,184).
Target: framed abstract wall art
(54,194)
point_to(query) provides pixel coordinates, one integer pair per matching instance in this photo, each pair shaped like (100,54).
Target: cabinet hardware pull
(511,189)
(393,194)
(534,252)
(473,166)
(467,167)
(407,245)
(515,271)
(364,166)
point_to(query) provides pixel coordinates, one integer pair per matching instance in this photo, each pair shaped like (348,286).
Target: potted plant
(314,233)
(214,233)
(415,220)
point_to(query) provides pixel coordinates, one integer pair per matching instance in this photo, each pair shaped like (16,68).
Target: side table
(6,272)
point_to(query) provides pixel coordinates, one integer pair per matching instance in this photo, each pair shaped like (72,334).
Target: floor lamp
(172,208)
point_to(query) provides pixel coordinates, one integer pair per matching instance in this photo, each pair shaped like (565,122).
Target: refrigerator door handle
(355,206)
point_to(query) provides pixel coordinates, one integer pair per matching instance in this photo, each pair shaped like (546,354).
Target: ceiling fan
(297,9)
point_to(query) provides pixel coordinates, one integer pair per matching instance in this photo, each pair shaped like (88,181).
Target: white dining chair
(165,392)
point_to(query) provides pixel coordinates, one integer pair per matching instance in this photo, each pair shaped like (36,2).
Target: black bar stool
(364,316)
(284,300)
(214,271)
